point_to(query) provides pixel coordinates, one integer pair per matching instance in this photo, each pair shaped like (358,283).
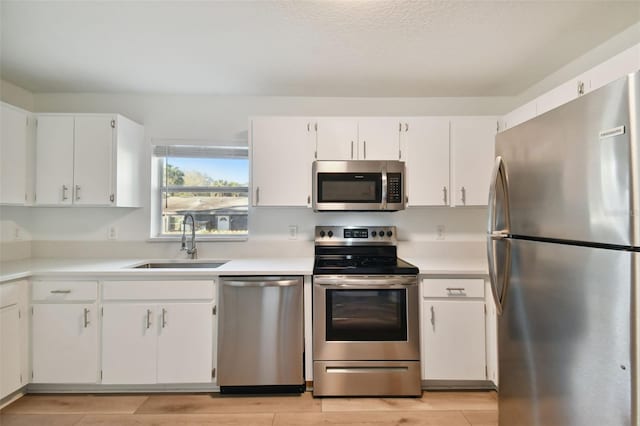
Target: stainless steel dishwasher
(261,335)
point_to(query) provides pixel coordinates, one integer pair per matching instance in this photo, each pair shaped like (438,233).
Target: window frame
(158,189)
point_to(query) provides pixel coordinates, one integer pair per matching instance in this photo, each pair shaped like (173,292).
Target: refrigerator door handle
(496,236)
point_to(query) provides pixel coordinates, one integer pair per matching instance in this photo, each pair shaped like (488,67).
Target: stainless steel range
(365,314)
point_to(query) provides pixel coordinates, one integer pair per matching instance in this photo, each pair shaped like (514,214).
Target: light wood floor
(433,409)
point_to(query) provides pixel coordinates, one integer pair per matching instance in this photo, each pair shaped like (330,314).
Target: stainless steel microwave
(358,185)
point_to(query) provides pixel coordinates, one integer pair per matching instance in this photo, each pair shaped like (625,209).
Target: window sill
(199,239)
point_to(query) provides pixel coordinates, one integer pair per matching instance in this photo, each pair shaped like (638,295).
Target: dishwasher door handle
(263,283)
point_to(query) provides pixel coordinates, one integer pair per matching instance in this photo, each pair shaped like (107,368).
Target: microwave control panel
(394,188)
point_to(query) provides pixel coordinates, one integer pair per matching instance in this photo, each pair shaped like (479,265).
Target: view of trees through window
(213,190)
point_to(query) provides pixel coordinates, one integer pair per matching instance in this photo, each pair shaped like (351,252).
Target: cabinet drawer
(453,287)
(64,291)
(157,290)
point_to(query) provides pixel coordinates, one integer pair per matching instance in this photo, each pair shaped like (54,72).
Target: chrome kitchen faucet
(192,250)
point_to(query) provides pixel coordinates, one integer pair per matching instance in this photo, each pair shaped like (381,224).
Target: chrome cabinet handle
(364,144)
(65,188)
(308,199)
(433,319)
(464,196)
(580,88)
(164,318)
(148,318)
(86,318)
(352,150)
(60,291)
(77,192)
(456,291)
(444,195)
(257,195)
(406,127)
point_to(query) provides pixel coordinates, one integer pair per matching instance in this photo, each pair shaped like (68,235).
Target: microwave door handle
(384,189)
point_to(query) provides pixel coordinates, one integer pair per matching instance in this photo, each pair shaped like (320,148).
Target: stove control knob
(322,233)
(374,233)
(330,234)
(389,234)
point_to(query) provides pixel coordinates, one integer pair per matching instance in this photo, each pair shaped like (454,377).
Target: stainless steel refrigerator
(564,262)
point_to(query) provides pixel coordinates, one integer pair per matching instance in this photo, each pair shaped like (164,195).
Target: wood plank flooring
(432,409)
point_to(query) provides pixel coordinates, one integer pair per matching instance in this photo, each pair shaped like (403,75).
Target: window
(210,183)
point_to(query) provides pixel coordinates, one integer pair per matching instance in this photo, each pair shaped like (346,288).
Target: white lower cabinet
(453,330)
(150,337)
(13,337)
(64,328)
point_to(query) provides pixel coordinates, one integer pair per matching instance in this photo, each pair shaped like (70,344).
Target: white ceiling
(300,48)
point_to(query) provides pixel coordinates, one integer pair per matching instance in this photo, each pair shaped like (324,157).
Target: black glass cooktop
(366,265)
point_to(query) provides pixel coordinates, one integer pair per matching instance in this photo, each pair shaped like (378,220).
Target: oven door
(365,318)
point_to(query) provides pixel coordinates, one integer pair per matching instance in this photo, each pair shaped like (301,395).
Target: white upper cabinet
(88,159)
(336,138)
(379,138)
(54,159)
(14,149)
(612,69)
(472,158)
(347,138)
(623,63)
(282,152)
(424,145)
(562,94)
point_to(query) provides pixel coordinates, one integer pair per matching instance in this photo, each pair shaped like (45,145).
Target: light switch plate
(293,232)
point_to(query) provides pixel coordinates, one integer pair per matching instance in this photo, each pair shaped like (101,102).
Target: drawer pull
(164,318)
(433,319)
(60,291)
(148,318)
(456,291)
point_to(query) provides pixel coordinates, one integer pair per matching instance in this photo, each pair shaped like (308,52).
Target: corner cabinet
(453,329)
(88,160)
(14,349)
(16,127)
(158,332)
(282,152)
(64,328)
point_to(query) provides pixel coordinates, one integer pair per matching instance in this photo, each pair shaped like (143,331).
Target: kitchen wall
(83,231)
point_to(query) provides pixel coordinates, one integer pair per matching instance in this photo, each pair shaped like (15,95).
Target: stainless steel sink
(180,264)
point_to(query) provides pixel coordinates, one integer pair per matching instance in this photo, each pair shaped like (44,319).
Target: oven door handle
(367,281)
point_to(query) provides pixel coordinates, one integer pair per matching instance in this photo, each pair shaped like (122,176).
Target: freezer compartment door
(570,170)
(565,337)
(261,331)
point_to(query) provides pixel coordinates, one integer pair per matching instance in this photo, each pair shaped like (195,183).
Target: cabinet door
(129,343)
(185,325)
(10,350)
(281,158)
(13,155)
(623,63)
(562,94)
(337,138)
(472,150)
(93,160)
(65,343)
(379,138)
(425,149)
(453,344)
(54,160)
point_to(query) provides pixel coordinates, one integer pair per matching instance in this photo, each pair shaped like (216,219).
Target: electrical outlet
(293,232)
(440,231)
(17,233)
(112,233)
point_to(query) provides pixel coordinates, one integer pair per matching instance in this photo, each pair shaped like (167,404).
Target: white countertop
(51,268)
(120,267)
